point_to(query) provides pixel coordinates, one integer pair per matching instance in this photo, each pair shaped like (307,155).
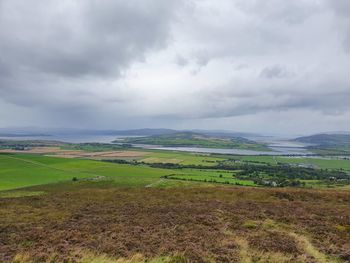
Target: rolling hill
(326,139)
(327,143)
(192,139)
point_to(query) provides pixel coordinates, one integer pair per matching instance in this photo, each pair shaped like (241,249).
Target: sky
(265,66)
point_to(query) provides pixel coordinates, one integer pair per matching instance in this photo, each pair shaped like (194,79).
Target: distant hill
(21,132)
(193,139)
(326,139)
(226,134)
(32,131)
(145,132)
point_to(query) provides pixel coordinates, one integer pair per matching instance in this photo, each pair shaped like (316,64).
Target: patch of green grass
(342,228)
(25,170)
(210,176)
(181,158)
(250,224)
(18,172)
(322,163)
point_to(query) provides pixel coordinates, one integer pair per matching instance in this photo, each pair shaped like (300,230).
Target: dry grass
(58,152)
(199,224)
(88,257)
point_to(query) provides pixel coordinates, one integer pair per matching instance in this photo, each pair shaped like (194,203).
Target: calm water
(275,150)
(278,147)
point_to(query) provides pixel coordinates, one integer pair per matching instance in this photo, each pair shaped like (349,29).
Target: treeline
(24,145)
(95,146)
(121,161)
(255,171)
(282,174)
(289,172)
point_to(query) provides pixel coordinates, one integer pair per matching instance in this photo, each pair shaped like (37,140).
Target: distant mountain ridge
(325,139)
(111,132)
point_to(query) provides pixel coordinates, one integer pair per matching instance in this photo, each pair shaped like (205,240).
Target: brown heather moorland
(214,224)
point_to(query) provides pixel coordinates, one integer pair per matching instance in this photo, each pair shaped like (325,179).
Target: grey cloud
(289,12)
(341,10)
(173,62)
(82,38)
(202,58)
(181,61)
(255,96)
(276,71)
(53,54)
(342,7)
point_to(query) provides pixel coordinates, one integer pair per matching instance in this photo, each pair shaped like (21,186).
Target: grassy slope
(196,140)
(27,170)
(22,170)
(328,143)
(17,172)
(331,150)
(326,139)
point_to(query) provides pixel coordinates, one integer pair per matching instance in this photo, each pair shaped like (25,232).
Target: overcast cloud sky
(270,66)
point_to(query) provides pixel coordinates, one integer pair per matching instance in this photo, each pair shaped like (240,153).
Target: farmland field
(181,158)
(27,170)
(324,163)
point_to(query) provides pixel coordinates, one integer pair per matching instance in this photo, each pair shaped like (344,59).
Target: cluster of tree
(289,172)
(95,146)
(121,161)
(280,175)
(257,171)
(25,145)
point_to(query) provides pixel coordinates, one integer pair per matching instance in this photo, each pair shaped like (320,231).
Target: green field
(183,158)
(24,170)
(318,162)
(210,176)
(321,162)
